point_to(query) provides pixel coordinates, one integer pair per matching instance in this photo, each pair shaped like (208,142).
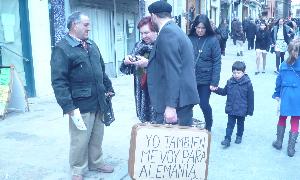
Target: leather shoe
(105,168)
(77,177)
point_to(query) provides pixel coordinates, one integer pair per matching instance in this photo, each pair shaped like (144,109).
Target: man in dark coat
(80,83)
(171,75)
(250,33)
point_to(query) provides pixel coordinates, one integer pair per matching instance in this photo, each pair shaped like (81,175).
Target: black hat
(160,6)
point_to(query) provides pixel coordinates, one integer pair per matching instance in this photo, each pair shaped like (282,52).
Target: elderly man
(80,83)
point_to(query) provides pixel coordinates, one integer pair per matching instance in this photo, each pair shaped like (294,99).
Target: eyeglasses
(200,27)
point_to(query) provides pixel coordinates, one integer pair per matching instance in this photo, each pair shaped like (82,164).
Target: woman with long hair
(207,54)
(262,45)
(281,35)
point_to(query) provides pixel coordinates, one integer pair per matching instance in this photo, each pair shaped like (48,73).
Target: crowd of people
(172,73)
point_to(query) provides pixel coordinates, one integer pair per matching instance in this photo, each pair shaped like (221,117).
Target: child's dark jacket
(240,96)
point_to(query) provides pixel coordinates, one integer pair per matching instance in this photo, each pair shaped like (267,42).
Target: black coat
(286,30)
(78,77)
(208,63)
(240,96)
(171,78)
(263,40)
(251,30)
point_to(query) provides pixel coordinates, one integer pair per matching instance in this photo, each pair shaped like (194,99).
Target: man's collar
(74,41)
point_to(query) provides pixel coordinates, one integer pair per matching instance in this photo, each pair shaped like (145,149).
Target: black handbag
(109,116)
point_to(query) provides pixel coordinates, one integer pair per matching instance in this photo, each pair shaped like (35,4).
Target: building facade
(28,34)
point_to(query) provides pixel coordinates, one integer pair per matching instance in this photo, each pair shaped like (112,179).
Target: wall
(41,45)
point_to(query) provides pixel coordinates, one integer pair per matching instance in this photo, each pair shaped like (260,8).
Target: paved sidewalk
(34,145)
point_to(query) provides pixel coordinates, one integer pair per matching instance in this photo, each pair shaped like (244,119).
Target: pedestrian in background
(79,82)
(250,33)
(262,46)
(239,103)
(141,51)
(238,36)
(287,93)
(240,40)
(223,30)
(207,54)
(280,35)
(171,78)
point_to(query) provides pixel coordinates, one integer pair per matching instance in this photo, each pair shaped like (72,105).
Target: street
(35,144)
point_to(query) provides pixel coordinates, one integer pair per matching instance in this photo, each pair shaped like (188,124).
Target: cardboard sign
(168,152)
(12,92)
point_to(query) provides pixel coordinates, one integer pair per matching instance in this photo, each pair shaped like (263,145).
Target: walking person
(240,40)
(141,50)
(238,36)
(280,35)
(80,84)
(250,33)
(287,93)
(223,30)
(262,46)
(239,103)
(207,56)
(171,78)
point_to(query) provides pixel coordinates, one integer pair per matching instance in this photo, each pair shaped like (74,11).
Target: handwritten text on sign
(170,153)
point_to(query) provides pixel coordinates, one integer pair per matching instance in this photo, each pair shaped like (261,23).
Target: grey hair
(74,18)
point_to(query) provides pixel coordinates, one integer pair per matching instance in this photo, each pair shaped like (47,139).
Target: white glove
(77,120)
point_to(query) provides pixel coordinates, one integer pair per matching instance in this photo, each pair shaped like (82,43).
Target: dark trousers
(231,123)
(223,45)
(184,116)
(250,43)
(279,59)
(204,95)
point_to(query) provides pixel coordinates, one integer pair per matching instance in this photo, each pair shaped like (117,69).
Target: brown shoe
(77,177)
(105,168)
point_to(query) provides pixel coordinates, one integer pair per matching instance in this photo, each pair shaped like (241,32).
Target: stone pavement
(34,145)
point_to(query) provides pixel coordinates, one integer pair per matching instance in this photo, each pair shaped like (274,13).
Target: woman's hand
(127,60)
(141,61)
(213,88)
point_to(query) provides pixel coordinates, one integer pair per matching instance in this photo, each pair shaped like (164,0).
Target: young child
(287,91)
(239,103)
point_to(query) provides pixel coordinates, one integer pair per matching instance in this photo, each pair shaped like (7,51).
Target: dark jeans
(184,116)
(204,95)
(250,43)
(231,123)
(279,59)
(223,45)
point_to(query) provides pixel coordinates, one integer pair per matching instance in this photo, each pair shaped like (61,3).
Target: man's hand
(170,115)
(109,94)
(70,113)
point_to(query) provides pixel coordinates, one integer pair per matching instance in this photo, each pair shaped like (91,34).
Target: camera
(133,58)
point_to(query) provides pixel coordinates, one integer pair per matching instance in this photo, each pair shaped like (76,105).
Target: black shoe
(238,140)
(226,142)
(256,73)
(241,53)
(238,54)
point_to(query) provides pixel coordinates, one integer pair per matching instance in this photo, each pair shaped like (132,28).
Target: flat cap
(160,6)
